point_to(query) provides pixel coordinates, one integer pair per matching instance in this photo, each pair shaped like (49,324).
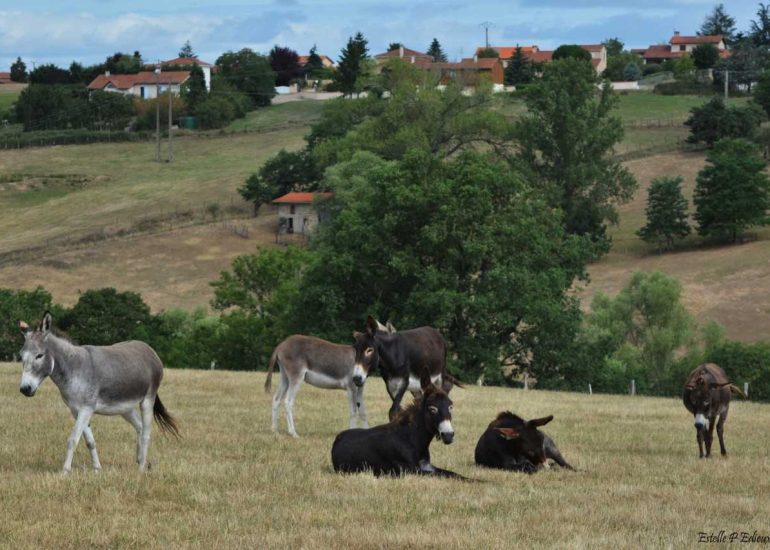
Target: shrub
(714,120)
(27,305)
(215,112)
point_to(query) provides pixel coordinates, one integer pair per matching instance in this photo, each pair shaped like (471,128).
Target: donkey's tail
(452,380)
(737,391)
(271,366)
(164,420)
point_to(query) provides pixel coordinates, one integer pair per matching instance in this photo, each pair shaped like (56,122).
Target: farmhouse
(207,68)
(144,84)
(296,213)
(680,46)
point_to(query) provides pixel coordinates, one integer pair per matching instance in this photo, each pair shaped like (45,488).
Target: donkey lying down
(107,380)
(512,443)
(401,446)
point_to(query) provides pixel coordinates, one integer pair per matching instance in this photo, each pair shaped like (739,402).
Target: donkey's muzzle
(447,437)
(27,390)
(358,380)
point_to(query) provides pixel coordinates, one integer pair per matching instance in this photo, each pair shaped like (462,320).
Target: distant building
(144,84)
(409,55)
(296,213)
(325,60)
(5,78)
(680,46)
(471,70)
(536,55)
(207,68)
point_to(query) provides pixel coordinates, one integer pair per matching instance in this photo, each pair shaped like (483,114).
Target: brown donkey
(707,395)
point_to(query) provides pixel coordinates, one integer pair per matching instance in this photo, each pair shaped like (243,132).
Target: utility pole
(170,117)
(157,112)
(486,25)
(727,76)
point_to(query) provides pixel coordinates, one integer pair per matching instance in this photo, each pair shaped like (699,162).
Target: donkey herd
(123,379)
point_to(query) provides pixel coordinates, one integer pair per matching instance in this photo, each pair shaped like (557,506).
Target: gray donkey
(105,380)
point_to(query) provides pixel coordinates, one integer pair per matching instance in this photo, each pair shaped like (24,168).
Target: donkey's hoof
(295,435)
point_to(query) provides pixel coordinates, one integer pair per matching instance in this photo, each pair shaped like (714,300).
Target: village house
(536,55)
(144,84)
(409,55)
(326,61)
(297,213)
(469,71)
(207,68)
(680,46)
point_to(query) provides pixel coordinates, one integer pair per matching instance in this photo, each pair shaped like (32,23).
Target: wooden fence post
(590,390)
(633,387)
(746,388)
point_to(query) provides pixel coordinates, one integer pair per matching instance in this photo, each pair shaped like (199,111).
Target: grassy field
(8,94)
(231,483)
(294,113)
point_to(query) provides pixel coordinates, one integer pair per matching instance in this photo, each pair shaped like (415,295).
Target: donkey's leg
(279,394)
(81,422)
(396,406)
(291,394)
(720,432)
(709,435)
(351,392)
(699,438)
(361,407)
(145,407)
(90,442)
(135,420)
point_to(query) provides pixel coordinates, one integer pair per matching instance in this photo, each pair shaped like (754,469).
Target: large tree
(614,46)
(314,64)
(714,120)
(567,140)
(760,28)
(719,22)
(732,191)
(744,65)
(571,51)
(436,52)
(705,56)
(49,73)
(520,70)
(194,89)
(351,66)
(666,213)
(18,70)
(285,63)
(250,74)
(186,51)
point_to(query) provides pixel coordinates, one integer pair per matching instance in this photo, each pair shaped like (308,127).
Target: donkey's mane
(409,414)
(508,415)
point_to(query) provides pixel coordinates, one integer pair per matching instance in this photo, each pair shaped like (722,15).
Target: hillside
(230,482)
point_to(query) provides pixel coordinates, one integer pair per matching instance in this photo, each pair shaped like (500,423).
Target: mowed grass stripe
(231,483)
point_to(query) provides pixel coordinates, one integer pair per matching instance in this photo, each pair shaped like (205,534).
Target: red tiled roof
(126,81)
(396,52)
(706,39)
(5,77)
(540,56)
(592,47)
(299,198)
(186,61)
(661,52)
(303,59)
(506,52)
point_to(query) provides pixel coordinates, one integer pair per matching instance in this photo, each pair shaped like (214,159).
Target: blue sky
(60,31)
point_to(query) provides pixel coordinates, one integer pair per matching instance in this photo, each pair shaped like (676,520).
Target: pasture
(231,483)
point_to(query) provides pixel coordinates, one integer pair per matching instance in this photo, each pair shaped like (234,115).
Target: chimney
(106,73)
(676,33)
(400,51)
(475,58)
(412,59)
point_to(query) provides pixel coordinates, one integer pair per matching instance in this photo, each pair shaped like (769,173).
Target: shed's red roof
(299,198)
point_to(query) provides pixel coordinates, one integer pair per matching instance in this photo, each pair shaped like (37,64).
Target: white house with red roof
(144,84)
(680,46)
(297,213)
(207,68)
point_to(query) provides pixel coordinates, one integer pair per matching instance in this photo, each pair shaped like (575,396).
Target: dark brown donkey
(403,357)
(707,395)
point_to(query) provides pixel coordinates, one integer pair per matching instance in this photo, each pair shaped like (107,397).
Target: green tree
(19,70)
(632,72)
(436,52)
(614,46)
(714,120)
(567,140)
(488,53)
(666,213)
(351,66)
(520,70)
(732,190)
(124,63)
(719,22)
(571,51)
(314,64)
(105,316)
(186,51)
(250,74)
(286,171)
(616,66)
(683,66)
(194,89)
(762,91)
(15,305)
(394,46)
(745,63)
(705,56)
(49,74)
(640,331)
(285,63)
(760,28)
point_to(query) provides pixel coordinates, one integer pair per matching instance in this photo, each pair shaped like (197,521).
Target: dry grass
(231,483)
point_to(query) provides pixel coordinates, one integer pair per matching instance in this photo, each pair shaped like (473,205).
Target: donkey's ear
(45,324)
(389,327)
(371,325)
(507,433)
(540,421)
(356,335)
(23,327)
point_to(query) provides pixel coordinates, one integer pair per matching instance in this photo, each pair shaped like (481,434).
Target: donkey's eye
(433,409)
(450,408)
(369,351)
(39,356)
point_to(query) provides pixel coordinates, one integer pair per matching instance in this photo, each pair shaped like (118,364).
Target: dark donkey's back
(707,396)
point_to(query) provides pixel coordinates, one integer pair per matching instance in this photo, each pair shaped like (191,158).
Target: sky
(60,31)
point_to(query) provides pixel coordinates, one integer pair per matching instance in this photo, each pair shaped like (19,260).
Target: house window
(682,48)
(292,209)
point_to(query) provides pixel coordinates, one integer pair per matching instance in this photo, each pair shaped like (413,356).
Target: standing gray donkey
(105,380)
